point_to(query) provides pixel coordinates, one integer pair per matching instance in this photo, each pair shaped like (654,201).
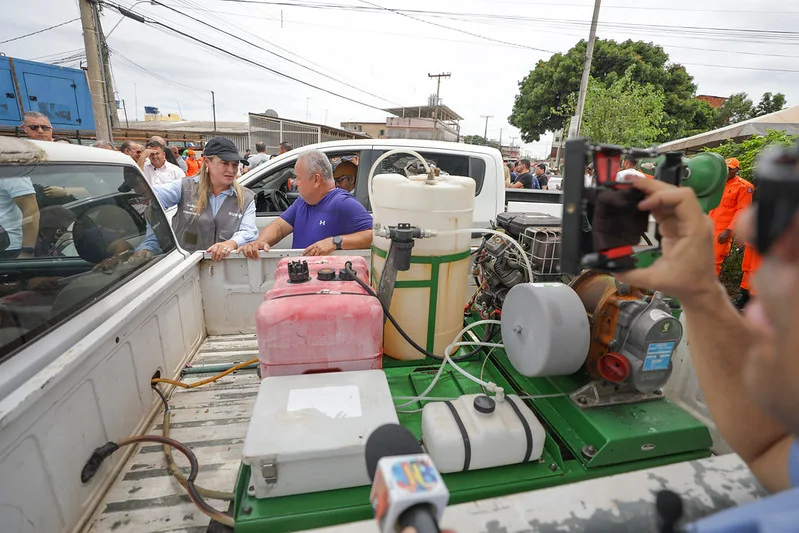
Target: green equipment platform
(581,444)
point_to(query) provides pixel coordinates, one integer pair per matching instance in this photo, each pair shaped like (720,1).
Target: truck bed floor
(212,420)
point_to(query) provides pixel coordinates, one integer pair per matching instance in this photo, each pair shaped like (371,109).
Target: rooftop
(425,111)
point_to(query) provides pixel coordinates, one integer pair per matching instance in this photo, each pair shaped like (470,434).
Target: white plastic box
(308,432)
(495,438)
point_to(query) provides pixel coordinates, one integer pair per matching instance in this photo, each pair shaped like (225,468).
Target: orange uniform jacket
(737,197)
(193,167)
(750,264)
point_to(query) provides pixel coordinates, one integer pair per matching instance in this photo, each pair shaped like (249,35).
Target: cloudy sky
(375,56)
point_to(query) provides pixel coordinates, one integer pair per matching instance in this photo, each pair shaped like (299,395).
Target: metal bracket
(269,473)
(600,393)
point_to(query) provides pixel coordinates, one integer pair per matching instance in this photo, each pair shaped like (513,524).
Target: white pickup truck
(81,338)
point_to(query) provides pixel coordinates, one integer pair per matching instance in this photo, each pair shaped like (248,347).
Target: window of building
(70,235)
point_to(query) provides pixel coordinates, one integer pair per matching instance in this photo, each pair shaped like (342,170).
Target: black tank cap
(326,274)
(484,404)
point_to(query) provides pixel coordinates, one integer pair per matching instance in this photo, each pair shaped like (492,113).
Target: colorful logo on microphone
(415,475)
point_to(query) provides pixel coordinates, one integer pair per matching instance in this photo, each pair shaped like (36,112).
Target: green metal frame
(435,262)
(616,433)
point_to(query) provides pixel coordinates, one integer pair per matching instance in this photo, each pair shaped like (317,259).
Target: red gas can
(313,321)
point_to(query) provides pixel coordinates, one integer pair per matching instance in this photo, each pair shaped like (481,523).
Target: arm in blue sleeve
(168,194)
(150,242)
(291,213)
(356,218)
(248,231)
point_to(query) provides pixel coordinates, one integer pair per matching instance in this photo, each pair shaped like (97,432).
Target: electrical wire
(172,29)
(204,381)
(403,14)
(234,36)
(40,31)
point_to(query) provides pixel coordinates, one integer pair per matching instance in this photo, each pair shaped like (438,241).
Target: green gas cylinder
(707,177)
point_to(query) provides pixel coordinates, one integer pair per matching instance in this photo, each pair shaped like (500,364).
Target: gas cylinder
(428,299)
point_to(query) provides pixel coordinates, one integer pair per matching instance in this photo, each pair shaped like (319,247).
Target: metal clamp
(269,473)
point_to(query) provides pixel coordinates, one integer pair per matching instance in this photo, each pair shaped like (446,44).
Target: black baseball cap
(224,149)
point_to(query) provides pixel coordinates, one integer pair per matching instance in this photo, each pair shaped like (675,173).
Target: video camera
(601,220)
(776,195)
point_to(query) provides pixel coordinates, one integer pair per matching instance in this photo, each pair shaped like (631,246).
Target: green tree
(770,103)
(547,95)
(479,140)
(739,107)
(625,113)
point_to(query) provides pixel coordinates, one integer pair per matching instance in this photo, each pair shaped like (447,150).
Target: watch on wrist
(337,242)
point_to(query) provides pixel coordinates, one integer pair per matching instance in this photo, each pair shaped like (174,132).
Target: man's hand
(724,236)
(56,192)
(323,247)
(685,270)
(251,249)
(221,250)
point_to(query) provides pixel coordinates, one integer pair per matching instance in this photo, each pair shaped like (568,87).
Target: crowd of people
(524,175)
(214,212)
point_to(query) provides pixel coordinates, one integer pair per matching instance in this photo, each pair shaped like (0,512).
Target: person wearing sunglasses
(344,175)
(37,126)
(747,365)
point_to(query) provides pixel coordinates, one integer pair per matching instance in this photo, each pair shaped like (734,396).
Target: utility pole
(500,139)
(438,89)
(485,134)
(574,127)
(136,101)
(213,107)
(93,62)
(125,109)
(107,79)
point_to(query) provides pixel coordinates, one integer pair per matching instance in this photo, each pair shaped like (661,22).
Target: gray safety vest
(200,232)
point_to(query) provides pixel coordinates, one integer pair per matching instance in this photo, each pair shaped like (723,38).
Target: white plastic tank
(429,298)
(545,329)
(495,433)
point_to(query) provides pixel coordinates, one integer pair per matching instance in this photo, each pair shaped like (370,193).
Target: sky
(360,50)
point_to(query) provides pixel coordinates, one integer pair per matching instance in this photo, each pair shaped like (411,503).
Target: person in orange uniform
(193,164)
(737,197)
(750,265)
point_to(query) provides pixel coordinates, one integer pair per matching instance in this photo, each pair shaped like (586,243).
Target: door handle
(11,95)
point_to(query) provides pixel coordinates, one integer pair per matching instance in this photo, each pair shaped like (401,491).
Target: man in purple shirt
(323,218)
(748,367)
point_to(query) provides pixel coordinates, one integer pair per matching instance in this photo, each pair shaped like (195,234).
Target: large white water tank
(429,298)
(545,329)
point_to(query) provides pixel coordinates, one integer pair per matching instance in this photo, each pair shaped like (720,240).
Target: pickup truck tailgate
(212,420)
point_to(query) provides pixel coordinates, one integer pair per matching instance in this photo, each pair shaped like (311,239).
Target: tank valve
(298,272)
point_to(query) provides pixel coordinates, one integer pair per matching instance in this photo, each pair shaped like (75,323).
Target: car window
(453,164)
(70,234)
(275,191)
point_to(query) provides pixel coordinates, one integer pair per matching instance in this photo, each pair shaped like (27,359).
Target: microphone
(407,490)
(669,508)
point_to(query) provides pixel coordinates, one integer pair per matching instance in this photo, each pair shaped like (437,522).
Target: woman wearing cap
(215,213)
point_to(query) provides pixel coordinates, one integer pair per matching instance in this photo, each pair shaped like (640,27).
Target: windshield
(69,234)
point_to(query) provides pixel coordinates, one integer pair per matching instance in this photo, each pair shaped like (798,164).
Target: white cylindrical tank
(428,299)
(475,432)
(545,329)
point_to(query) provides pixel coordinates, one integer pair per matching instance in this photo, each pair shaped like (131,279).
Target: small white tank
(496,434)
(545,329)
(428,299)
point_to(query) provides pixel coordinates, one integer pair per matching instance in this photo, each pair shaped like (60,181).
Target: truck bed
(145,497)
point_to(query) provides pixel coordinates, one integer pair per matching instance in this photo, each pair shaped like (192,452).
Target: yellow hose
(205,381)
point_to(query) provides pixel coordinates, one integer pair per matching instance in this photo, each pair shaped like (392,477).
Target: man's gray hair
(34,114)
(318,163)
(104,144)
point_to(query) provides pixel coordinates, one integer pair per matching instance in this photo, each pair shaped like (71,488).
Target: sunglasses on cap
(776,197)
(38,127)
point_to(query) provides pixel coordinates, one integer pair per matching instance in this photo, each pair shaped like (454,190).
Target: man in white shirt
(19,217)
(157,170)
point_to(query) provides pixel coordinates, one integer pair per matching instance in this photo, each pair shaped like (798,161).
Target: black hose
(367,288)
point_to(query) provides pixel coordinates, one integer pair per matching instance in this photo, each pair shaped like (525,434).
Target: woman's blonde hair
(205,187)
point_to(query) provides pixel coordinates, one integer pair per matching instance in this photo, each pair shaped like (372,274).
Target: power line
(156,2)
(401,13)
(40,31)
(236,56)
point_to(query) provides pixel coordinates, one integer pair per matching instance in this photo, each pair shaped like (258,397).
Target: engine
(498,266)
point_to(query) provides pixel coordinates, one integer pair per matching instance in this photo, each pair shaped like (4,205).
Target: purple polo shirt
(339,213)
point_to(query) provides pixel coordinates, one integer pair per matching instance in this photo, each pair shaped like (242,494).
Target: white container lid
(317,415)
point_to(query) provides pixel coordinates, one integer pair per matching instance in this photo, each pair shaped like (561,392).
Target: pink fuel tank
(313,321)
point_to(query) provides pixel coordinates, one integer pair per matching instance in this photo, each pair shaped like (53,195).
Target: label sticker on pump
(658,355)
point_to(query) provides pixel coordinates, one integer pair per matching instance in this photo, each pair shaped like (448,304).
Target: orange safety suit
(750,264)
(737,197)
(193,167)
